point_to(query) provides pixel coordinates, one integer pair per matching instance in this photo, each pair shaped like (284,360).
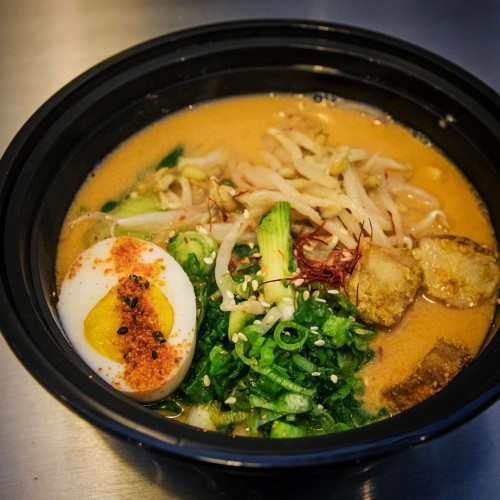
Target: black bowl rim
(187,441)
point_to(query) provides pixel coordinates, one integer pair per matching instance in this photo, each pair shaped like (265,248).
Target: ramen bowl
(69,135)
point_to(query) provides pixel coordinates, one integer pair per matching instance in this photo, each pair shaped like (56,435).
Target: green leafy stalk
(275,244)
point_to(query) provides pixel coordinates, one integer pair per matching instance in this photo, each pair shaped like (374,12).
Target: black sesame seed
(134,301)
(154,354)
(122,330)
(127,300)
(158,336)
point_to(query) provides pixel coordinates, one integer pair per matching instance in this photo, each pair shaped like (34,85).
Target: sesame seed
(247,278)
(317,299)
(306,295)
(333,292)
(257,254)
(334,378)
(313,329)
(171,234)
(320,407)
(316,374)
(208,260)
(154,354)
(264,303)
(299,282)
(206,381)
(244,286)
(246,214)
(315,294)
(230,295)
(270,319)
(122,330)
(201,229)
(319,343)
(230,400)
(242,336)
(257,322)
(251,244)
(235,338)
(259,273)
(255,285)
(213,254)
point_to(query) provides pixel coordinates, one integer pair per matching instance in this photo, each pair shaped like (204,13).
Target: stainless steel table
(49,452)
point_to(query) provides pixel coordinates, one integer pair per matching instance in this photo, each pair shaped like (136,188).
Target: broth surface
(238,125)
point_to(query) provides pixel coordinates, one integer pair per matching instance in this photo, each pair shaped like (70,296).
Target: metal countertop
(50,453)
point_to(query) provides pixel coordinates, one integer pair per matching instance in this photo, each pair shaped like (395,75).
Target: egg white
(90,279)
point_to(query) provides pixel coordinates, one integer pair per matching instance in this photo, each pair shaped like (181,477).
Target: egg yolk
(132,309)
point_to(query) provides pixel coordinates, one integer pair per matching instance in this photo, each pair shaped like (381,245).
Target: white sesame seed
(201,229)
(234,338)
(242,336)
(316,374)
(334,378)
(171,234)
(270,319)
(259,273)
(313,329)
(246,214)
(298,282)
(230,294)
(213,254)
(247,278)
(315,294)
(257,254)
(257,322)
(333,292)
(206,381)
(317,299)
(230,400)
(244,286)
(208,260)
(255,285)
(319,343)
(306,295)
(264,303)
(251,244)
(320,407)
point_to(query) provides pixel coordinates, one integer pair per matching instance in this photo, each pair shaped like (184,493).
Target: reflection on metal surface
(48,452)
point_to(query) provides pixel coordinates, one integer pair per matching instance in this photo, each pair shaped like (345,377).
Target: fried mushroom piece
(439,366)
(457,271)
(384,283)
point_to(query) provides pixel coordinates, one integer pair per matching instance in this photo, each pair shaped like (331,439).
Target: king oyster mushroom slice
(457,270)
(384,283)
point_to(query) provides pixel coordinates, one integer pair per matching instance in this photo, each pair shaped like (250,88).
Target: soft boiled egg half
(129,310)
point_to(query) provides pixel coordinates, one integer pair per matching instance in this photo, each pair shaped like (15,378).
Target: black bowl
(54,152)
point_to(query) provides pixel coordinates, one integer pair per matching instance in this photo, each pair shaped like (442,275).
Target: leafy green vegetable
(281,429)
(277,264)
(195,252)
(172,158)
(295,378)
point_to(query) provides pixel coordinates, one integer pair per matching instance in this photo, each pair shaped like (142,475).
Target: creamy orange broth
(238,125)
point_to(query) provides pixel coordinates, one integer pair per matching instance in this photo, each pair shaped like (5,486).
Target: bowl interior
(53,154)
